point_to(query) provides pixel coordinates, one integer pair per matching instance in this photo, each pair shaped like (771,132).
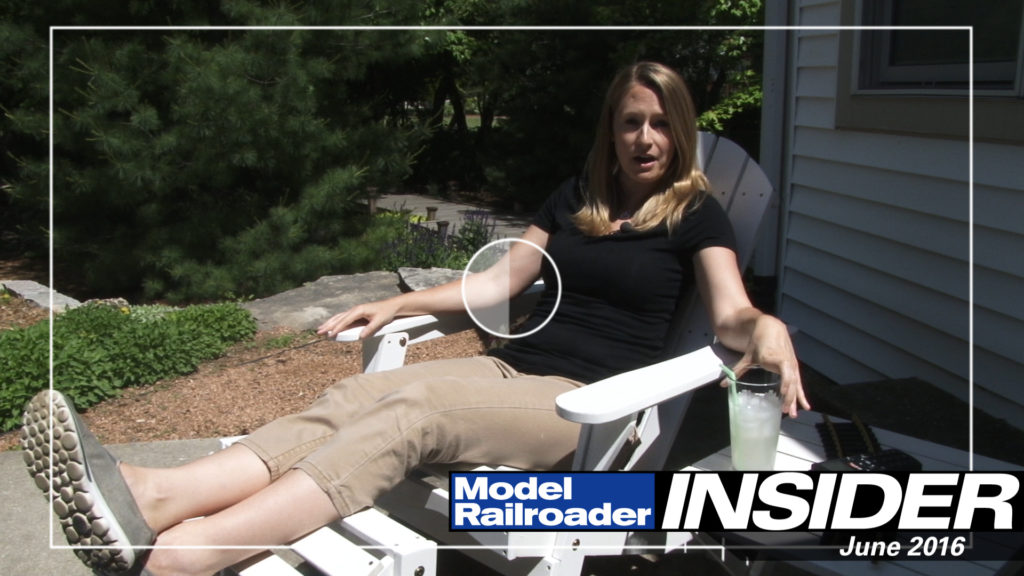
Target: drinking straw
(731,377)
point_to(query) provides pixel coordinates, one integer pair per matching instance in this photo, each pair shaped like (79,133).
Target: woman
(628,238)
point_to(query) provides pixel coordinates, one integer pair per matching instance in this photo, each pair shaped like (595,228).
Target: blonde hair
(684,183)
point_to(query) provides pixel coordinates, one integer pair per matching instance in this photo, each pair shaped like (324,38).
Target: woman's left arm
(763,339)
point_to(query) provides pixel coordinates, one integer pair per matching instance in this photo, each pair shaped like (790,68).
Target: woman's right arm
(516,271)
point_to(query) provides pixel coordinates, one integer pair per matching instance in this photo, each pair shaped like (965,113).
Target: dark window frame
(862,105)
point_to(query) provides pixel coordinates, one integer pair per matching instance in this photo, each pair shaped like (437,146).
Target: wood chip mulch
(255,382)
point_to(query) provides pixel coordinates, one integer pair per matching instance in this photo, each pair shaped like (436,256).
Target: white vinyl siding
(875,261)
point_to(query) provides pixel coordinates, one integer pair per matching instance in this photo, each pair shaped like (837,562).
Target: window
(899,80)
(937,59)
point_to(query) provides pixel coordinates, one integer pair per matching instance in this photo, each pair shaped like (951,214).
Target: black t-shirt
(619,291)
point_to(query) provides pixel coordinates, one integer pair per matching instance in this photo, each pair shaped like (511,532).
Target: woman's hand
(763,339)
(372,316)
(771,348)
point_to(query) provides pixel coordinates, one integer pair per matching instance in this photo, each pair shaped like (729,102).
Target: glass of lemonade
(755,411)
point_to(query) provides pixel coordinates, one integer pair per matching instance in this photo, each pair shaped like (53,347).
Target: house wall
(875,266)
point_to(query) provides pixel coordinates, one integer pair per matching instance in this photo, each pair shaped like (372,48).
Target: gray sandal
(106,527)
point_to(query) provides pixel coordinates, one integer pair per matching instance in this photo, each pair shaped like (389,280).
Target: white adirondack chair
(632,431)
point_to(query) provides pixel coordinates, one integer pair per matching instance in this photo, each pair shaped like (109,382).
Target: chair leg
(384,352)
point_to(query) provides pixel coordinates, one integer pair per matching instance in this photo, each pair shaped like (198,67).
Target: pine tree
(194,164)
(23,142)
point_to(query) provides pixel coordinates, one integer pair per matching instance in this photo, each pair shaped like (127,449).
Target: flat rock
(41,295)
(422,278)
(306,307)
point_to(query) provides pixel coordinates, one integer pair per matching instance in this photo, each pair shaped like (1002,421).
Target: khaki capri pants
(365,433)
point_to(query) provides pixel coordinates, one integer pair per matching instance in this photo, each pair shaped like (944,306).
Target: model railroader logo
(515,501)
(856,506)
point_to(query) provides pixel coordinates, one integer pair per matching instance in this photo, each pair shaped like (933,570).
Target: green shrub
(99,349)
(395,240)
(24,369)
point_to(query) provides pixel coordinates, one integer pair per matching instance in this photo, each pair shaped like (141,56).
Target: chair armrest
(631,392)
(636,390)
(398,325)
